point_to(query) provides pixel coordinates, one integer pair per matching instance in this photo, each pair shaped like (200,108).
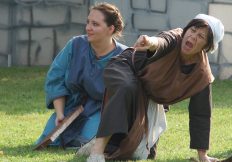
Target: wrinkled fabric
(157,124)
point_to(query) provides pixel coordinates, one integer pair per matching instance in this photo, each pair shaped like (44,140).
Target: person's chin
(186,52)
(90,39)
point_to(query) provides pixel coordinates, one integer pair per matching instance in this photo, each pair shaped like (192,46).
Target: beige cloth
(156,126)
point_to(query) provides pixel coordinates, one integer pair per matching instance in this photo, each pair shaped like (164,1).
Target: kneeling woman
(172,67)
(76,76)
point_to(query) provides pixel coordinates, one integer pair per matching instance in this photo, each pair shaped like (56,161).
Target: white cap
(216,26)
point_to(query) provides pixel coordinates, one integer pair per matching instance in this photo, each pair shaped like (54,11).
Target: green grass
(23,116)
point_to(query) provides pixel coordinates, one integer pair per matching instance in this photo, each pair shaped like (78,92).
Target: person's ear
(111,29)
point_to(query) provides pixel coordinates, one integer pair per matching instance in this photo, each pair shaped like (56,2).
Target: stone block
(44,56)
(41,48)
(129,38)
(213,57)
(21,56)
(225,55)
(65,34)
(149,33)
(79,15)
(4,41)
(181,12)
(138,4)
(22,34)
(215,70)
(149,21)
(28,1)
(222,1)
(158,5)
(81,2)
(4,12)
(3,60)
(223,12)
(21,47)
(50,15)
(225,72)
(39,34)
(22,15)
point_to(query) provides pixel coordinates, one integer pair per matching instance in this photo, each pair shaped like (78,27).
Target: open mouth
(189,44)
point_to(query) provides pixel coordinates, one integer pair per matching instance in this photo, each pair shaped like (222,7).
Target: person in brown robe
(167,68)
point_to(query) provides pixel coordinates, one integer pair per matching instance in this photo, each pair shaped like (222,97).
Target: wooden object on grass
(60,128)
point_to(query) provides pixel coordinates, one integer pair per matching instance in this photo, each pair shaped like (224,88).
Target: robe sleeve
(167,41)
(200,119)
(55,81)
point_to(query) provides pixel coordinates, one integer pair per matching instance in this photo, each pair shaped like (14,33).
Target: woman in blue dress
(75,76)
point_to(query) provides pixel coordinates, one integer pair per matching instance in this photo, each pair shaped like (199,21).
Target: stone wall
(34,31)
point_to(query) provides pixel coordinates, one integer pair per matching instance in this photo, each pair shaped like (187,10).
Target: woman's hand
(59,109)
(59,119)
(145,42)
(203,157)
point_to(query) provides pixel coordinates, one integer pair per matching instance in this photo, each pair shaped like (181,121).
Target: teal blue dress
(76,73)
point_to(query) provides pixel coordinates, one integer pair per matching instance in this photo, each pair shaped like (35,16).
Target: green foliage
(23,116)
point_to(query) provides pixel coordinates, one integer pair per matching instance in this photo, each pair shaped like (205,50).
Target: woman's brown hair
(112,17)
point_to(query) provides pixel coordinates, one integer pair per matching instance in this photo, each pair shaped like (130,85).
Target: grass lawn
(23,116)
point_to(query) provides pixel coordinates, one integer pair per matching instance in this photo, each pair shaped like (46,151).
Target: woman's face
(194,40)
(96,28)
